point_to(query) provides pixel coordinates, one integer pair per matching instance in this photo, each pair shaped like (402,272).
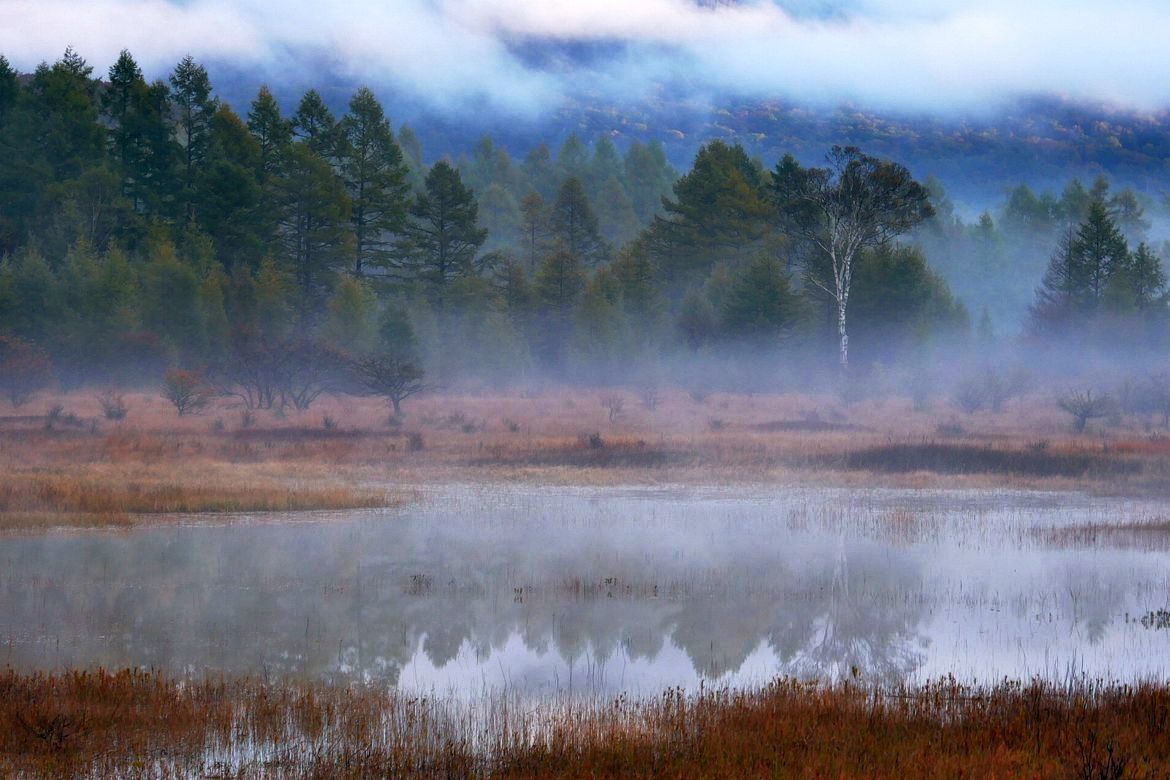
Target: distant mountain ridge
(1042,141)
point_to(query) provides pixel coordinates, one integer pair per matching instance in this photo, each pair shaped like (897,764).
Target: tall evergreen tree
(314,224)
(575,225)
(534,227)
(376,178)
(1098,251)
(443,232)
(9,89)
(718,212)
(195,107)
(119,102)
(229,200)
(270,129)
(69,133)
(315,124)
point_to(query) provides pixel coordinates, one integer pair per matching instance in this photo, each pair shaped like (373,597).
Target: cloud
(918,55)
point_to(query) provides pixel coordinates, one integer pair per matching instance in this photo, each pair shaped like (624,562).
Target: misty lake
(606,590)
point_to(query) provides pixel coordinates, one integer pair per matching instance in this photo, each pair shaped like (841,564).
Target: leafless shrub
(616,406)
(113,405)
(987,390)
(1085,405)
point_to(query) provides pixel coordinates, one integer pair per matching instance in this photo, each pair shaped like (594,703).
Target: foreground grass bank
(137,724)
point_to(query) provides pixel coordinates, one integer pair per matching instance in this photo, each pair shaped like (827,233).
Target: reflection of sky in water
(604,591)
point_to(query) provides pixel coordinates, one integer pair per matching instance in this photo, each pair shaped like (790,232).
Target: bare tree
(856,202)
(1085,405)
(394,378)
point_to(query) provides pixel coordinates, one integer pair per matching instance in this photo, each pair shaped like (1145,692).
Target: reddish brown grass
(135,723)
(223,460)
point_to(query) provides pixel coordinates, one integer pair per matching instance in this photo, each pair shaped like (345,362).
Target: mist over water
(547,591)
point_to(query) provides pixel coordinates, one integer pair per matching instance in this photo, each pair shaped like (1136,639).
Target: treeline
(147,226)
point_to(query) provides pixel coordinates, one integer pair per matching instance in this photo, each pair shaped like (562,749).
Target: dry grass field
(64,464)
(60,725)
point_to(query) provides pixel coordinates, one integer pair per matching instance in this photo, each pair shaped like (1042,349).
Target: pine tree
(69,134)
(718,212)
(314,124)
(648,178)
(558,287)
(9,89)
(376,178)
(119,102)
(760,305)
(314,223)
(1140,284)
(1057,296)
(196,108)
(534,225)
(229,199)
(575,225)
(443,232)
(1098,251)
(270,129)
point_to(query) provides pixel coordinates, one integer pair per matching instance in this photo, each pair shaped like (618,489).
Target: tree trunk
(396,402)
(843,334)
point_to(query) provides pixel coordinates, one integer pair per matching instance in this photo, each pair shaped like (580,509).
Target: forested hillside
(272,251)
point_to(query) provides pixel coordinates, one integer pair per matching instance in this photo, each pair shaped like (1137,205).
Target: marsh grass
(1146,534)
(103,724)
(95,495)
(260,461)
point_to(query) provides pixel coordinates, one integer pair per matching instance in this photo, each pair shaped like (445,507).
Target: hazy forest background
(147,229)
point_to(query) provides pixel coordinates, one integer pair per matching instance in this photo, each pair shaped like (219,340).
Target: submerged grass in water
(52,725)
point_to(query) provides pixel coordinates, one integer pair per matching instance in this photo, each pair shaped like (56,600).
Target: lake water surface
(607,590)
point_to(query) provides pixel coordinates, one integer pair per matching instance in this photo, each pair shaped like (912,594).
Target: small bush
(186,390)
(1085,405)
(113,406)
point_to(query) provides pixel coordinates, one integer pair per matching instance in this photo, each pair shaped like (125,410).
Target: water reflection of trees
(324,599)
(361,598)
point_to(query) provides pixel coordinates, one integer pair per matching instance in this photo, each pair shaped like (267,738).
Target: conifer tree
(443,231)
(376,179)
(196,107)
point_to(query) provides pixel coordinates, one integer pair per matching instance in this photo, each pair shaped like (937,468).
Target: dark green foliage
(575,226)
(195,107)
(443,231)
(376,180)
(314,124)
(718,212)
(272,131)
(313,230)
(760,307)
(1093,275)
(143,223)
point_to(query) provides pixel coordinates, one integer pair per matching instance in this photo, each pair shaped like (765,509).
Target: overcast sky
(918,55)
